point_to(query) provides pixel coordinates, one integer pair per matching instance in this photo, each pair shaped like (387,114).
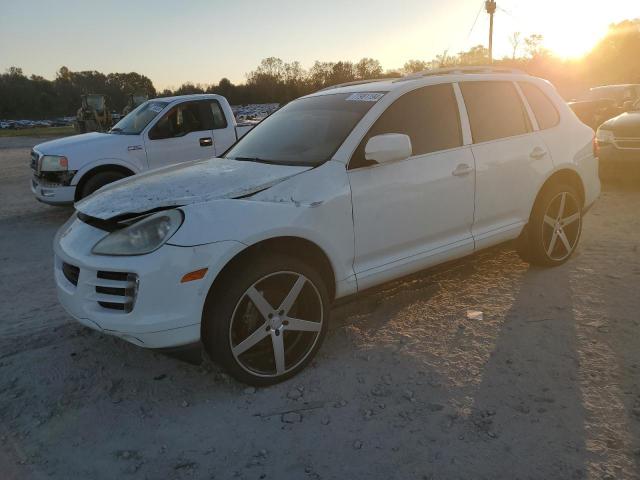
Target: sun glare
(571,43)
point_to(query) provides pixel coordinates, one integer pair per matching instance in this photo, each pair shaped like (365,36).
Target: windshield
(96,102)
(305,132)
(137,119)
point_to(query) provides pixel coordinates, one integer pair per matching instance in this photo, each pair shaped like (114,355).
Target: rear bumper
(52,194)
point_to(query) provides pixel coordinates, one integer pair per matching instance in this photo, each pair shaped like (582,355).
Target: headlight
(142,237)
(54,163)
(604,136)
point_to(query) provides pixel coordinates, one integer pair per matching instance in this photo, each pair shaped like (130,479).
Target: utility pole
(491,6)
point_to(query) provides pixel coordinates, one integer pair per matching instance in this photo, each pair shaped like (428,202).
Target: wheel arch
(299,247)
(562,175)
(109,167)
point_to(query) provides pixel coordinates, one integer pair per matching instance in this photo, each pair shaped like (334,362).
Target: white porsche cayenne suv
(337,192)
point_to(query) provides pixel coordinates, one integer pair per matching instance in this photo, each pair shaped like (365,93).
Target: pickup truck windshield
(139,118)
(305,132)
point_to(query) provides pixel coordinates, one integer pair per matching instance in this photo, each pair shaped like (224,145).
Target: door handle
(538,153)
(206,142)
(461,170)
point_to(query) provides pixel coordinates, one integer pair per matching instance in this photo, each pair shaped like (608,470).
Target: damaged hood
(184,184)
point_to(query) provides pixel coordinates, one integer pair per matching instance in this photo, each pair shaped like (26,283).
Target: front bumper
(52,194)
(166,313)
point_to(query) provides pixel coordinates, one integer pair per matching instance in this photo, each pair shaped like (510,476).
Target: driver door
(182,134)
(417,212)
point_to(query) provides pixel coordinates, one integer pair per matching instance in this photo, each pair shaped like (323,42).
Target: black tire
(229,315)
(98,181)
(552,235)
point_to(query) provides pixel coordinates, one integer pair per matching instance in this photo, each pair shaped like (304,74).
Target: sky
(202,41)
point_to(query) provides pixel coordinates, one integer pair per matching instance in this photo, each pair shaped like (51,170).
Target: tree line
(614,59)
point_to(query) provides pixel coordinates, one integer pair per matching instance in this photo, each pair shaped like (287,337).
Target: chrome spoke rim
(268,341)
(302,325)
(561,226)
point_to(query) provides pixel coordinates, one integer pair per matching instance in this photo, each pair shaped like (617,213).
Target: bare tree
(533,44)
(514,40)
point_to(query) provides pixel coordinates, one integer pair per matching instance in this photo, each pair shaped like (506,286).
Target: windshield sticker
(156,107)
(364,97)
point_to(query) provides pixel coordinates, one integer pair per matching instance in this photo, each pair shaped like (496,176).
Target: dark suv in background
(619,137)
(603,103)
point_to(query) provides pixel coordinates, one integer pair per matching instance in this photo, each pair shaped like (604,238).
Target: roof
(621,85)
(194,96)
(453,74)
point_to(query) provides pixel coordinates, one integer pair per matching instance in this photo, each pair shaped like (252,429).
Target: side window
(495,110)
(429,116)
(183,119)
(544,110)
(219,120)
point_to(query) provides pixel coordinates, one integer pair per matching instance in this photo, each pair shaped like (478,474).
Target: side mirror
(390,147)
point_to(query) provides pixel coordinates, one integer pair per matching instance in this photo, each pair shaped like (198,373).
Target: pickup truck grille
(626,142)
(116,290)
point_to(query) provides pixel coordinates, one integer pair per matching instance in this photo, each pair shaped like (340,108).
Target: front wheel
(554,228)
(266,319)
(98,181)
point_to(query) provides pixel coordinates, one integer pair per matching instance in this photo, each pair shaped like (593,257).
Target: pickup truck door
(184,133)
(416,212)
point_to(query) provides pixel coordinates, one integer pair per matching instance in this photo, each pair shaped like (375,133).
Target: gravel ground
(484,368)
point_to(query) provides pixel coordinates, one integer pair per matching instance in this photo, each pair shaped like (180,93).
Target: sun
(573,42)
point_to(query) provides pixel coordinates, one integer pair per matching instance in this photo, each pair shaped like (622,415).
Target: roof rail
(358,82)
(460,70)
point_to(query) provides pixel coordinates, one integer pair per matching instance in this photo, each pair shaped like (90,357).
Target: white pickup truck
(160,132)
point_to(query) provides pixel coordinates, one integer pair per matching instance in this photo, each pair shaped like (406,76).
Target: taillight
(596,147)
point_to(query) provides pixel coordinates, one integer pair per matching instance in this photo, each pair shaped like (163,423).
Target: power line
(475,21)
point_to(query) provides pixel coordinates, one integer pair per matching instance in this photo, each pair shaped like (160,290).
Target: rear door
(509,158)
(419,211)
(182,134)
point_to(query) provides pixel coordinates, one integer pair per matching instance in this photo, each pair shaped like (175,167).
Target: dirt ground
(411,383)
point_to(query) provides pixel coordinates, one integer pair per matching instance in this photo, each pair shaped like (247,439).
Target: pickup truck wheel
(555,226)
(99,180)
(268,320)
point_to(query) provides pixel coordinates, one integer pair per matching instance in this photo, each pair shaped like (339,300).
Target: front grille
(116,290)
(628,143)
(71,273)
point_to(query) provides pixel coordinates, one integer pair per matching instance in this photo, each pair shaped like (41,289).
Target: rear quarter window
(543,108)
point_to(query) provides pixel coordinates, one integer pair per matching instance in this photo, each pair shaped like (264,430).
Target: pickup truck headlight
(54,163)
(142,237)
(605,136)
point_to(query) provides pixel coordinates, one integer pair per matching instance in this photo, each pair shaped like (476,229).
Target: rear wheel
(267,319)
(98,181)
(554,228)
